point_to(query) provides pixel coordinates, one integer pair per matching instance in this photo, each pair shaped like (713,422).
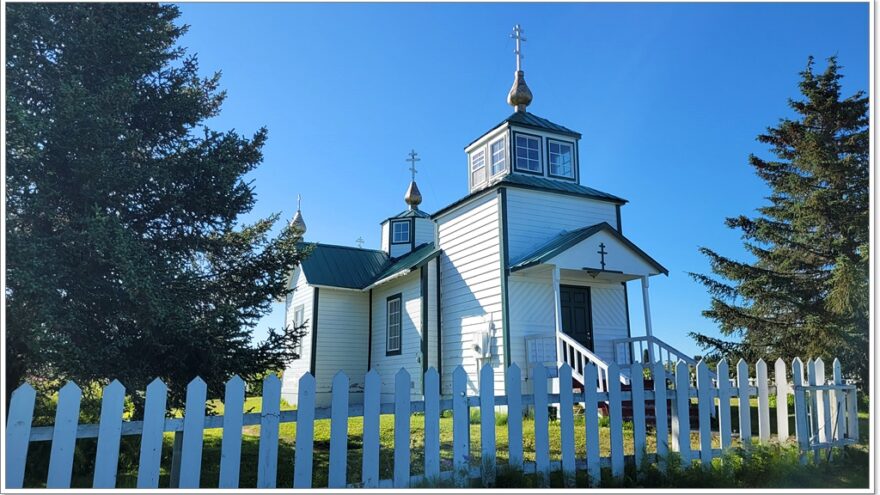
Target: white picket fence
(825,417)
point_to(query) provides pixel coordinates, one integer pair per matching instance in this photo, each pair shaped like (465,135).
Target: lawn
(856,475)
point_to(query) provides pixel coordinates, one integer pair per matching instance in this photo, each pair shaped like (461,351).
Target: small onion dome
(298,222)
(413,196)
(520,95)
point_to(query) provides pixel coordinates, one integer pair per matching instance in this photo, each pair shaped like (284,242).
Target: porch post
(556,299)
(648,329)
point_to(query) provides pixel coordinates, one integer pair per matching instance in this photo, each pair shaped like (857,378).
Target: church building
(530,267)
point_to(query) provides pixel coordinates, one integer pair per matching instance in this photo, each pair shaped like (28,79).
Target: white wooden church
(529,267)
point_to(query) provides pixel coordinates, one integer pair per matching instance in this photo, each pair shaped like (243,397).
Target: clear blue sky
(669,99)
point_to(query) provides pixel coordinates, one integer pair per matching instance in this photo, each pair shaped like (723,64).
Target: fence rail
(824,412)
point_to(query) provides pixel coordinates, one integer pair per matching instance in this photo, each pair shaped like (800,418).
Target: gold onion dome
(413,196)
(520,95)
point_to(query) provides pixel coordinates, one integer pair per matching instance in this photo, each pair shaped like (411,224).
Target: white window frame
(393,325)
(497,157)
(299,317)
(550,153)
(518,160)
(476,155)
(394,232)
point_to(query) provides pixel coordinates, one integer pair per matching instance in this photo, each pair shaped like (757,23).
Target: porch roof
(567,240)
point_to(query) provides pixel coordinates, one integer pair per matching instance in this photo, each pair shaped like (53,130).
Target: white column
(648,329)
(556,298)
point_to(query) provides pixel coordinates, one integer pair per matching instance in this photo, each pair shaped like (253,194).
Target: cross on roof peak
(518,36)
(413,158)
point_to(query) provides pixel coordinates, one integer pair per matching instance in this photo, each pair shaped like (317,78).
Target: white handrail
(584,353)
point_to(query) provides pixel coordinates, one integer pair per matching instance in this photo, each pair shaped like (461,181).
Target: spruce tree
(126,256)
(806,292)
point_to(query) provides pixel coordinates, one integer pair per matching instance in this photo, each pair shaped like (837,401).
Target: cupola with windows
(412,227)
(523,143)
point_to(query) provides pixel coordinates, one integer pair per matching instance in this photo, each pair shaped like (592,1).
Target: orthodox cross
(298,201)
(518,36)
(602,253)
(413,158)
(360,242)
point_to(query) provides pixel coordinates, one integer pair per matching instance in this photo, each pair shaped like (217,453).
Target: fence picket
(432,425)
(513,389)
(824,403)
(109,435)
(370,461)
(233,418)
(615,409)
(401,428)
(661,424)
(305,432)
(487,424)
(270,414)
(781,380)
(704,404)
(852,416)
(542,436)
(637,375)
(64,436)
(338,432)
(566,417)
(763,401)
(745,417)
(813,405)
(839,403)
(193,431)
(460,427)
(800,409)
(18,433)
(151,437)
(591,423)
(723,373)
(683,410)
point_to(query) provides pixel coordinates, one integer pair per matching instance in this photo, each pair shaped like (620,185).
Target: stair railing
(577,356)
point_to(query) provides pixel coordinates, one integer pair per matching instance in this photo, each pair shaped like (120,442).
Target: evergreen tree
(806,292)
(125,255)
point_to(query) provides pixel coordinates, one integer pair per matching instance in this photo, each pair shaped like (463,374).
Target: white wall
(386,239)
(409,286)
(302,295)
(432,312)
(424,231)
(343,337)
(470,278)
(535,217)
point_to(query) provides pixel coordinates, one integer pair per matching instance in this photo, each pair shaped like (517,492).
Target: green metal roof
(566,240)
(527,119)
(356,268)
(536,182)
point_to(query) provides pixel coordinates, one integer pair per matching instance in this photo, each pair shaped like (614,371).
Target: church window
(393,323)
(299,313)
(400,232)
(561,159)
(478,167)
(497,151)
(528,153)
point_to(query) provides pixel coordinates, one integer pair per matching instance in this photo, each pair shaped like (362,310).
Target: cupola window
(478,167)
(400,232)
(528,153)
(561,160)
(498,163)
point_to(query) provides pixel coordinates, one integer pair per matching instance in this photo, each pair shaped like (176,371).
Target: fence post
(18,432)
(745,405)
(270,415)
(824,400)
(704,405)
(566,417)
(723,372)
(176,449)
(305,433)
(487,424)
(336,477)
(837,398)
(151,436)
(661,425)
(683,410)
(615,410)
(513,389)
(591,423)
(763,401)
(813,406)
(800,409)
(233,416)
(370,461)
(109,435)
(460,427)
(637,378)
(432,425)
(64,436)
(193,431)
(542,436)
(781,380)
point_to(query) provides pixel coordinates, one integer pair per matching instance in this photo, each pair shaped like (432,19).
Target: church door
(577,318)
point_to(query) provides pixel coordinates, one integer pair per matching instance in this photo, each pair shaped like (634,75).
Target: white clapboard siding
(338,432)
(18,432)
(305,433)
(780,379)
(267,463)
(401,429)
(487,424)
(303,295)
(724,419)
(233,419)
(514,416)
(745,417)
(109,435)
(704,403)
(763,401)
(64,437)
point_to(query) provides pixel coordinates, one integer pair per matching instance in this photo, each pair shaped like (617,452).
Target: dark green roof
(531,120)
(414,213)
(356,268)
(567,240)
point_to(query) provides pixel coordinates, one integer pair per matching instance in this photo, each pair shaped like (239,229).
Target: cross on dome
(413,158)
(520,95)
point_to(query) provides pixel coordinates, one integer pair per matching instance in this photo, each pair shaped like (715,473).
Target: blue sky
(669,99)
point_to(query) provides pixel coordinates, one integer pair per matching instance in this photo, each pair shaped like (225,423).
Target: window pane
(400,232)
(561,160)
(497,149)
(528,153)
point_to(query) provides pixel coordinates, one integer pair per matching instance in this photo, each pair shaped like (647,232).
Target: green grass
(769,466)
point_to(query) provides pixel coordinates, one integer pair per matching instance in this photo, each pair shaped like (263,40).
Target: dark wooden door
(577,320)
